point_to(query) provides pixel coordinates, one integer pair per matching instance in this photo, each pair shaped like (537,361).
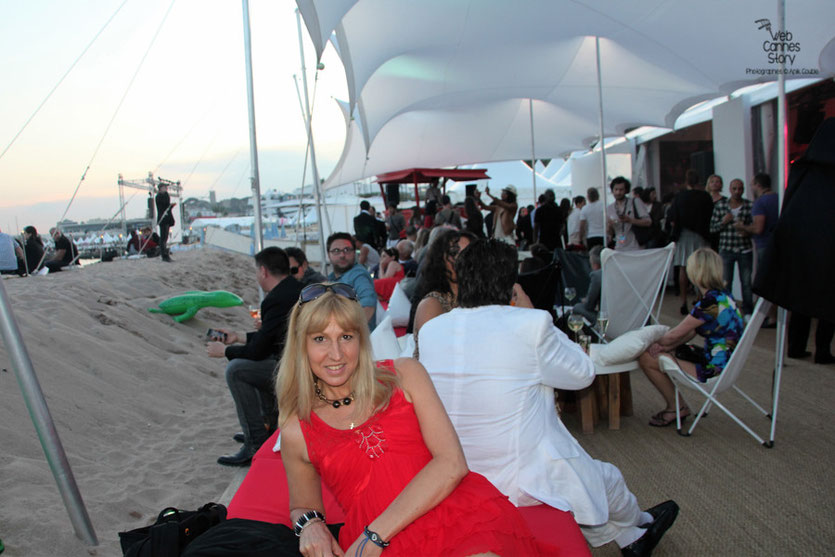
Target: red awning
(425,175)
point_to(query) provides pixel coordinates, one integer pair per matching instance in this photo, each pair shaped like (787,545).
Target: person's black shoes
(241,458)
(239,437)
(824,358)
(798,355)
(664,514)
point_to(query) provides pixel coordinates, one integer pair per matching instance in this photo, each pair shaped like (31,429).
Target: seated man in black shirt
(65,251)
(252,364)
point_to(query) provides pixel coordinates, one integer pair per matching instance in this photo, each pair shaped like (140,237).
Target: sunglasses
(314,291)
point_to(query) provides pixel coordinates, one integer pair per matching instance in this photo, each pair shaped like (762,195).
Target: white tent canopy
(436,83)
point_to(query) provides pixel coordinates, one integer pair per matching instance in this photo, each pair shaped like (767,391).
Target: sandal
(668,417)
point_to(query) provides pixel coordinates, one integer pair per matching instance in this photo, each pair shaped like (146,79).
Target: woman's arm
(441,474)
(305,490)
(680,334)
(392,269)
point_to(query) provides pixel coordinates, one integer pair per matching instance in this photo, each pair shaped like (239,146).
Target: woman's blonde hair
(704,268)
(372,386)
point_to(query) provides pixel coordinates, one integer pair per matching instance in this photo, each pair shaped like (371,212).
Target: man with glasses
(342,254)
(253,356)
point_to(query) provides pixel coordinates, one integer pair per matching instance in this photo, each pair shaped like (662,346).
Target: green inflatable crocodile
(185,306)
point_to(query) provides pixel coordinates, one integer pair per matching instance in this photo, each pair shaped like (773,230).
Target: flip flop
(660,420)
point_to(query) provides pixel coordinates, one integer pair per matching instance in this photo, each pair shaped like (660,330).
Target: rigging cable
(118,107)
(60,81)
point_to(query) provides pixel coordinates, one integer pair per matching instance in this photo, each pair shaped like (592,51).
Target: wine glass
(602,322)
(255,312)
(570,293)
(575,323)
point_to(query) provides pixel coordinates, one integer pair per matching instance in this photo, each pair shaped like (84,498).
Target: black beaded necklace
(335,403)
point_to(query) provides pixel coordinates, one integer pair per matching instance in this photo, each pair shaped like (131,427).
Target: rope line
(118,107)
(60,81)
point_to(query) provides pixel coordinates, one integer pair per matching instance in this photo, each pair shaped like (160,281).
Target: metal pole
(41,418)
(602,146)
(258,237)
(309,125)
(533,152)
(122,207)
(782,173)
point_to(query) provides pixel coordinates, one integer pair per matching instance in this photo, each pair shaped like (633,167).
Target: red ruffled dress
(368,466)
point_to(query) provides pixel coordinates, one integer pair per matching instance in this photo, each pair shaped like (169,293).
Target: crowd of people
(28,255)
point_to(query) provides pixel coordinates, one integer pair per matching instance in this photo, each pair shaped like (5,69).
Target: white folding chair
(631,293)
(715,386)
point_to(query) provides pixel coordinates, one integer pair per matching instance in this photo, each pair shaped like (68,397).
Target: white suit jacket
(495,369)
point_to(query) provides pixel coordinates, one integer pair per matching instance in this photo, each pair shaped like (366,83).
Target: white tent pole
(533,152)
(308,122)
(602,146)
(253,144)
(782,174)
(44,424)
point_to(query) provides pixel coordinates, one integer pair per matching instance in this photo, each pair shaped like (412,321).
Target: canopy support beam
(602,142)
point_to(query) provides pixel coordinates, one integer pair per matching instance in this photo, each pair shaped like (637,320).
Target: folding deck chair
(715,386)
(631,293)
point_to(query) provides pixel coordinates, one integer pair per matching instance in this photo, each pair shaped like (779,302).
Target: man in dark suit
(365,226)
(253,356)
(165,219)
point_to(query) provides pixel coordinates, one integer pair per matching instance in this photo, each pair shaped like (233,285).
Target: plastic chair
(715,386)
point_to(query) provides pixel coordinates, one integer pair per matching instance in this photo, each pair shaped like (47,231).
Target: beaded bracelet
(305,519)
(375,538)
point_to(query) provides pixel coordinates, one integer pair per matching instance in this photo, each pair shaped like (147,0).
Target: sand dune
(141,410)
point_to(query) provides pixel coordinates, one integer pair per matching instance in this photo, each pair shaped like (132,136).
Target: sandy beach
(143,414)
(141,410)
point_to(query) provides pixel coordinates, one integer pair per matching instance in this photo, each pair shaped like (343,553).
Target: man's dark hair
(620,180)
(445,200)
(486,272)
(645,194)
(579,199)
(541,199)
(365,205)
(340,236)
(691,178)
(638,191)
(764,180)
(593,195)
(297,254)
(274,260)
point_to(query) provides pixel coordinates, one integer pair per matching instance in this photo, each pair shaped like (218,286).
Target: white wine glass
(575,323)
(602,322)
(570,293)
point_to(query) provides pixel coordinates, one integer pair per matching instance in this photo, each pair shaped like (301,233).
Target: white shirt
(495,369)
(574,226)
(592,214)
(624,237)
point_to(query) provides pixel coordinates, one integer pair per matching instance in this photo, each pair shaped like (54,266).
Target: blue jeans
(746,266)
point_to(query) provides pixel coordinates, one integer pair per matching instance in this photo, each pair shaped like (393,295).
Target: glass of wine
(602,322)
(575,323)
(255,312)
(570,293)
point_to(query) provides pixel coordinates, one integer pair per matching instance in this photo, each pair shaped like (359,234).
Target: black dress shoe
(239,437)
(799,355)
(241,458)
(643,546)
(824,359)
(659,509)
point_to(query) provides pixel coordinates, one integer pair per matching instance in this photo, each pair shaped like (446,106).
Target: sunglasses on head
(314,291)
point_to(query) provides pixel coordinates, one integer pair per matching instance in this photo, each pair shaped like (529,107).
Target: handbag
(643,234)
(173,530)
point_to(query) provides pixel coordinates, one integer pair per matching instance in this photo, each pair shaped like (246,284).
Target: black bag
(172,532)
(691,353)
(644,234)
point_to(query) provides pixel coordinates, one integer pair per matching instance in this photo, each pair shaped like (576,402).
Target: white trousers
(624,512)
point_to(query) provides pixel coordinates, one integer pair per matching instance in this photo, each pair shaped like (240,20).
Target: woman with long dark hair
(33,248)
(437,287)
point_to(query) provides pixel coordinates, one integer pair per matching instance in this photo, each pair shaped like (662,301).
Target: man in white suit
(495,367)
